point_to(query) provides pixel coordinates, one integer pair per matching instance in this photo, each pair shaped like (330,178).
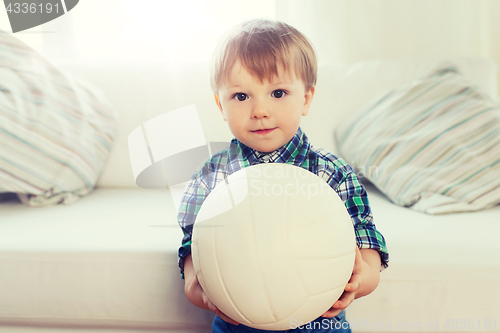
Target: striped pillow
(55,131)
(432,145)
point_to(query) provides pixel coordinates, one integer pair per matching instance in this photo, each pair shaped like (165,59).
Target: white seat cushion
(108,260)
(104,261)
(443,269)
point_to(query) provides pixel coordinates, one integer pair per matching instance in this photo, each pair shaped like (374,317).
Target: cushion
(344,88)
(55,130)
(432,145)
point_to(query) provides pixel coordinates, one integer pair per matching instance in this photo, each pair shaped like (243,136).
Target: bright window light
(156,30)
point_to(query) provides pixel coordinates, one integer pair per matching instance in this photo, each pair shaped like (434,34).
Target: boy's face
(263,115)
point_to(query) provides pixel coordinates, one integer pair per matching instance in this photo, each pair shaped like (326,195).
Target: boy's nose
(260,111)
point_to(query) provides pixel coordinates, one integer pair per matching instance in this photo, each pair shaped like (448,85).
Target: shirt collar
(294,152)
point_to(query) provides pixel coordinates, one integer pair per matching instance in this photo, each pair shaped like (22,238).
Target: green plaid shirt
(298,151)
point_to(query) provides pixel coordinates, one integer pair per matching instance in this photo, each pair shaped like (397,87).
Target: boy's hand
(364,280)
(194,292)
(208,305)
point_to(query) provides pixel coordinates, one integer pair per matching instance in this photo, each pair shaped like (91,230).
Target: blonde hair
(263,47)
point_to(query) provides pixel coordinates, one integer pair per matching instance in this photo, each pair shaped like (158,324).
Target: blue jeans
(320,325)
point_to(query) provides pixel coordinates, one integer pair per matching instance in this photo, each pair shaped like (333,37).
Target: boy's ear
(307,100)
(217,101)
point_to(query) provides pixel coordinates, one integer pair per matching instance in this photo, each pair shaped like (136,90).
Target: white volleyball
(273,246)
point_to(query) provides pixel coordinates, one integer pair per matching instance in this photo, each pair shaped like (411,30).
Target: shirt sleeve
(194,196)
(355,198)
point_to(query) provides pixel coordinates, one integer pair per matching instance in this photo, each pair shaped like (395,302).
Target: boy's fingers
(211,306)
(331,313)
(346,299)
(226,318)
(352,286)
(208,302)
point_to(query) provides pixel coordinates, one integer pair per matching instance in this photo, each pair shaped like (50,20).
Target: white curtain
(355,30)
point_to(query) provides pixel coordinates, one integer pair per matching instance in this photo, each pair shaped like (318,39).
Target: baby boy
(264,78)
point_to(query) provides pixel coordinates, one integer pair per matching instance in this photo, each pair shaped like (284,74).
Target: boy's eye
(241,96)
(278,93)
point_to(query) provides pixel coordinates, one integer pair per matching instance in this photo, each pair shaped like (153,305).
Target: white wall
(354,30)
(342,30)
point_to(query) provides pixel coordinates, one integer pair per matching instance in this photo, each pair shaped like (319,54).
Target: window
(158,30)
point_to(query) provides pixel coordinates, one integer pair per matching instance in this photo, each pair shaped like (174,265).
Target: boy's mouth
(264,130)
